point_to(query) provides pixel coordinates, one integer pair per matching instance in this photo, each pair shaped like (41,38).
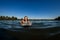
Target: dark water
(44,25)
(35,24)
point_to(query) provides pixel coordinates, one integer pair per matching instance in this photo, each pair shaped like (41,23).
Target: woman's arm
(21,22)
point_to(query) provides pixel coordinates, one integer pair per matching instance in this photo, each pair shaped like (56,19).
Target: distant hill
(58,18)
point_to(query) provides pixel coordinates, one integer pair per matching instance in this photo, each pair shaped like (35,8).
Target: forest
(8,18)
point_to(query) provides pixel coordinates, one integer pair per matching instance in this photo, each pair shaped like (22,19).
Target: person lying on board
(25,22)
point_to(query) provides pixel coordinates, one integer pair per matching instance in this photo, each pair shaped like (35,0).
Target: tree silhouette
(58,18)
(8,18)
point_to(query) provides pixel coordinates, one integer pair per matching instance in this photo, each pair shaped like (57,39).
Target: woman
(25,21)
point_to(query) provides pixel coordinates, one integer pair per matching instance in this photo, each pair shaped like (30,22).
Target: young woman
(25,21)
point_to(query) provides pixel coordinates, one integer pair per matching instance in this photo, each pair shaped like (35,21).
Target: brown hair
(27,19)
(21,20)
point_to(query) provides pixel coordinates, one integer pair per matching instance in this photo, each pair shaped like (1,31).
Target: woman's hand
(29,23)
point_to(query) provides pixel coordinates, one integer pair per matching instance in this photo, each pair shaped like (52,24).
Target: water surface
(44,25)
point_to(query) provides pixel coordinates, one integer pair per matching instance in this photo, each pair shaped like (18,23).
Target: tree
(8,18)
(58,18)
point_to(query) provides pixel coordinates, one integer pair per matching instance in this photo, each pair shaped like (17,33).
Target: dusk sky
(31,8)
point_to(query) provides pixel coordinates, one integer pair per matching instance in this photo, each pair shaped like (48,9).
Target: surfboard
(26,25)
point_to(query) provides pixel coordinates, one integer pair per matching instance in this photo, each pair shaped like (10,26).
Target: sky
(42,9)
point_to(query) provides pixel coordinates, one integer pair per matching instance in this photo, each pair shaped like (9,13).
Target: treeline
(15,18)
(58,18)
(8,18)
